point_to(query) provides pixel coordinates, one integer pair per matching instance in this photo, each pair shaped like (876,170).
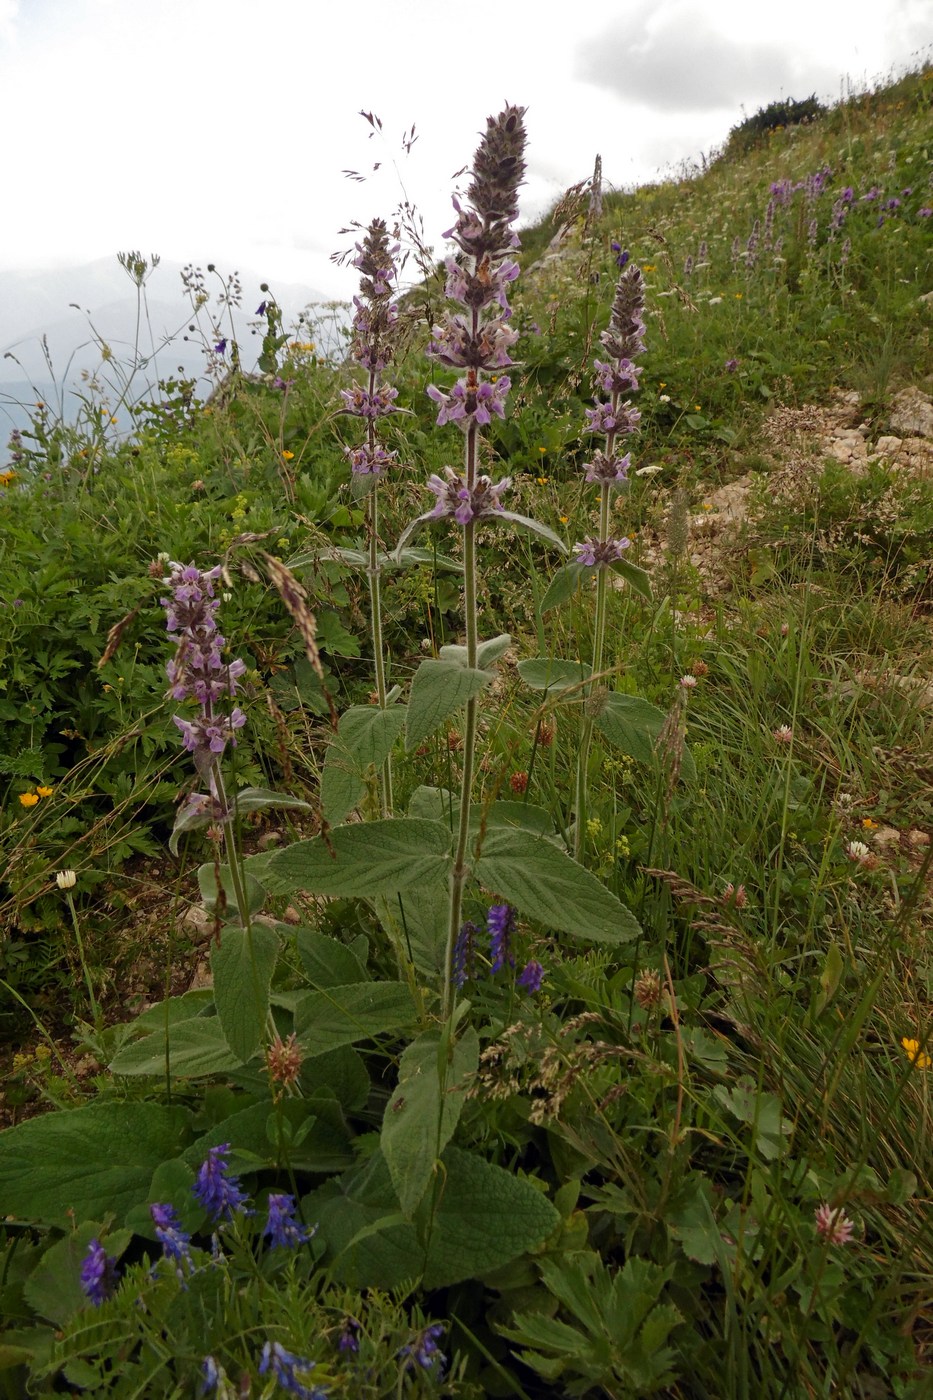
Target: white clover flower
(858,851)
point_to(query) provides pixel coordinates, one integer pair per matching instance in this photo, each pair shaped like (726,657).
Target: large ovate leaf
(365,736)
(563,585)
(327,962)
(363,859)
(487,653)
(422,1114)
(439,688)
(225,896)
(484,1217)
(243,965)
(336,1016)
(548,885)
(254,799)
(422,915)
(633,725)
(634,576)
(550,673)
(86,1163)
(195,1048)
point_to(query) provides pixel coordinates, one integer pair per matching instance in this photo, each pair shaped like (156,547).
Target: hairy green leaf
(439,688)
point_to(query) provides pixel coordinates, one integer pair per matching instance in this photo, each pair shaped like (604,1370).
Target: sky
(220,130)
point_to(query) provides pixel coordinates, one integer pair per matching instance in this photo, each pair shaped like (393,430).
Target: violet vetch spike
(214,1189)
(465,954)
(530,977)
(99,1274)
(423,1349)
(174,1240)
(283,1229)
(500,921)
(285,1365)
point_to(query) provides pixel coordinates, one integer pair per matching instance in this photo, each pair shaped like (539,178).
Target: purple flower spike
(423,1349)
(283,1229)
(531,977)
(99,1274)
(500,921)
(284,1365)
(174,1240)
(455,500)
(217,1192)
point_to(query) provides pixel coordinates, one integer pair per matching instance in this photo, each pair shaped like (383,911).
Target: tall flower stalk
(374,326)
(613,419)
(198,672)
(476,340)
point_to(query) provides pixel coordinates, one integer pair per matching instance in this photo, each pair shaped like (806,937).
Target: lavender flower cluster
(375,324)
(198,671)
(478,338)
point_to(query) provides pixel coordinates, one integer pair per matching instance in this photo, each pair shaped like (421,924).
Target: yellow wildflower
(564,519)
(29,799)
(287,455)
(868,824)
(44,791)
(912,1049)
(739,295)
(542,450)
(542,480)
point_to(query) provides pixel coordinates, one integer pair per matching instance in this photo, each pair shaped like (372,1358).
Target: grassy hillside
(662,1126)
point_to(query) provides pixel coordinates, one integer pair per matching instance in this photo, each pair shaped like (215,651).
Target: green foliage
(776,116)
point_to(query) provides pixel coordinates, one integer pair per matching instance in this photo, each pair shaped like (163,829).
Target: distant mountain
(56,323)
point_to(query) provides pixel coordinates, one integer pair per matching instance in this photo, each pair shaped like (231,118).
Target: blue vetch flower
(174,1240)
(283,1230)
(283,1365)
(531,977)
(99,1273)
(500,922)
(218,1193)
(423,1348)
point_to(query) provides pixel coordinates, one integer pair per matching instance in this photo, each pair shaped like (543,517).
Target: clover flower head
(833,1225)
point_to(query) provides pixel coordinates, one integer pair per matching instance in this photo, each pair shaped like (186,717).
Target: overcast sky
(219,129)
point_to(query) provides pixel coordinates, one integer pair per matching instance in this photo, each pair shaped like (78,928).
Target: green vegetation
(689,1154)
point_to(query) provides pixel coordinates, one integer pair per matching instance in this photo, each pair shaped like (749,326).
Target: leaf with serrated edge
(550,673)
(547,885)
(363,859)
(337,1016)
(414,1130)
(243,965)
(439,688)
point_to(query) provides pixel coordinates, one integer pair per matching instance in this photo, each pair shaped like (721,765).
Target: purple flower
(454,499)
(348,1340)
(599,554)
(210,1376)
(221,347)
(423,1349)
(284,1365)
(363,404)
(283,1230)
(731,365)
(261,309)
(471,402)
(174,1240)
(531,977)
(618,378)
(622,257)
(99,1273)
(500,921)
(214,1190)
(465,954)
(925,213)
(370,461)
(608,469)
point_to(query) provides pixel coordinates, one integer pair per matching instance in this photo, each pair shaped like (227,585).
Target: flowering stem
(375,607)
(459,872)
(586,734)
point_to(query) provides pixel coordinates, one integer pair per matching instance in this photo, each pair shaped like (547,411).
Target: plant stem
(459,872)
(95,1009)
(586,732)
(375,607)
